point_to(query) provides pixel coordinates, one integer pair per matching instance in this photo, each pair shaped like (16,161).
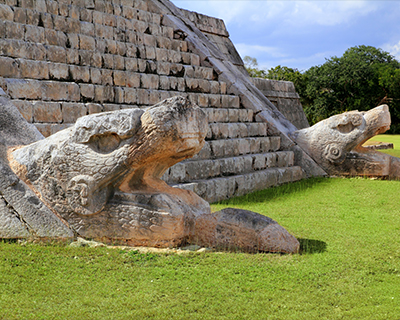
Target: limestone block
(72,111)
(181,84)
(254,145)
(163,68)
(163,43)
(168,32)
(131,64)
(24,89)
(74,12)
(106,77)
(109,20)
(49,112)
(220,115)
(164,83)
(25,108)
(174,56)
(19,15)
(132,80)
(60,23)
(233,130)
(271,160)
(79,74)
(151,66)
(119,78)
(265,144)
(259,162)
(229,166)
(103,94)
(204,85)
(52,38)
(139,26)
(154,97)
(177,70)
(143,96)
(215,101)
(164,95)
(34,34)
(32,17)
(121,48)
(149,81)
(6,13)
(205,152)
(186,58)
(94,108)
(58,71)
(101,46)
(87,91)
(95,76)
(111,107)
(33,69)
(86,42)
(217,148)
(15,30)
(9,68)
(275,143)
(244,147)
(95,59)
(203,100)
(119,62)
(119,95)
(131,96)
(177,173)
(193,98)
(85,57)
(128,12)
(56,54)
(202,169)
(108,61)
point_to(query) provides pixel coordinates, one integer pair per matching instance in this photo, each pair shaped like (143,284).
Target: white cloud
(393,49)
(256,50)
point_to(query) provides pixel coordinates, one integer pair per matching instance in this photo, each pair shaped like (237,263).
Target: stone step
(216,149)
(222,188)
(187,171)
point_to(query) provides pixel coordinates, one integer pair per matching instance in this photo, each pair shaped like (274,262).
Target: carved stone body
(336,144)
(101,177)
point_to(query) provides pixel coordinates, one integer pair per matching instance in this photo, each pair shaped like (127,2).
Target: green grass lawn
(393,138)
(349,268)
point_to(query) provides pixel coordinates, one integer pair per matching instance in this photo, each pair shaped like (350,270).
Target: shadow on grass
(312,246)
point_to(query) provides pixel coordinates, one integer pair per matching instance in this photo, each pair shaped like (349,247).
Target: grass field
(349,267)
(393,138)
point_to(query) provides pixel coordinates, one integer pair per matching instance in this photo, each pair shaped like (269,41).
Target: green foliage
(363,78)
(349,266)
(251,66)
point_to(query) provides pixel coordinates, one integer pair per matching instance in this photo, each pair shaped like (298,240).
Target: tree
(363,78)
(251,66)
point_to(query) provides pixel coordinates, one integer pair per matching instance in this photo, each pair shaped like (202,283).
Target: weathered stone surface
(235,228)
(102,178)
(102,175)
(336,144)
(22,214)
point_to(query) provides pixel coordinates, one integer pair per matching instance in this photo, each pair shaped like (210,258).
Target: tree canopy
(362,78)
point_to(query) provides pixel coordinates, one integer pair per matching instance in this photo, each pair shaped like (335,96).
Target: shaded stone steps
(187,171)
(222,188)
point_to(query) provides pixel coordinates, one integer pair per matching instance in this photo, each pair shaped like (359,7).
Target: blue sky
(301,34)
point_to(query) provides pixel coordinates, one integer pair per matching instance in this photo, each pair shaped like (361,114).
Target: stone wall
(284,96)
(60,60)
